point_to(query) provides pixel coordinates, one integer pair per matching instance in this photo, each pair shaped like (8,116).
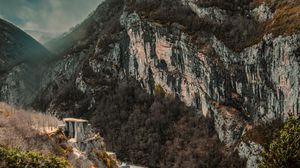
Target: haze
(45,19)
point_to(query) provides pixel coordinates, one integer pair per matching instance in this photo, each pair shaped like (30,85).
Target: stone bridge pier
(76,129)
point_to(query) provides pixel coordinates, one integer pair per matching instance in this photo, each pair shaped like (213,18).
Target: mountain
(180,83)
(21,63)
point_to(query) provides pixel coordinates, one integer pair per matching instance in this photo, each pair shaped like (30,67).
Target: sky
(44,19)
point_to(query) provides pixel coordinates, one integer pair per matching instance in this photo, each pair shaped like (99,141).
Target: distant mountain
(68,40)
(22,61)
(41,36)
(17,47)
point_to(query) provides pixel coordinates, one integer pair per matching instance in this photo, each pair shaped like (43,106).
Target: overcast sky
(49,16)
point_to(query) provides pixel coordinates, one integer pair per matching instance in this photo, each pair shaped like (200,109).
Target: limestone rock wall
(262,81)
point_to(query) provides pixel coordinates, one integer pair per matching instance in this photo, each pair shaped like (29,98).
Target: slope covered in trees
(155,130)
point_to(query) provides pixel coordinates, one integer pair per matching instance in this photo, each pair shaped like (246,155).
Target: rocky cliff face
(259,84)
(238,89)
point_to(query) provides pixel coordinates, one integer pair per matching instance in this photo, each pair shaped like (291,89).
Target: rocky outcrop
(21,84)
(86,145)
(262,13)
(212,14)
(251,151)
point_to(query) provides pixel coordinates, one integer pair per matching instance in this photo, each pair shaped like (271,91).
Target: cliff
(234,64)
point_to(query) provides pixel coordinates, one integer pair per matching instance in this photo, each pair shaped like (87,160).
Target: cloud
(51,16)
(1,16)
(30,26)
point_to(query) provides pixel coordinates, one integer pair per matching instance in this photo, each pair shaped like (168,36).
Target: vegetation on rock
(285,151)
(28,130)
(145,129)
(237,32)
(31,138)
(264,133)
(286,19)
(108,161)
(159,91)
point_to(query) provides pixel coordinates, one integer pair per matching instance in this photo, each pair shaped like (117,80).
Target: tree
(285,151)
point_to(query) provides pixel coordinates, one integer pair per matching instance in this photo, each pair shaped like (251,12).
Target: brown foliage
(264,133)
(157,131)
(238,32)
(27,130)
(286,18)
(230,5)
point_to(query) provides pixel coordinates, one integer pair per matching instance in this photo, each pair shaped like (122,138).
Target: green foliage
(285,151)
(14,158)
(159,91)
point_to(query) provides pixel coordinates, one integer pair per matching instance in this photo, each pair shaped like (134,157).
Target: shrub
(14,158)
(285,151)
(159,91)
